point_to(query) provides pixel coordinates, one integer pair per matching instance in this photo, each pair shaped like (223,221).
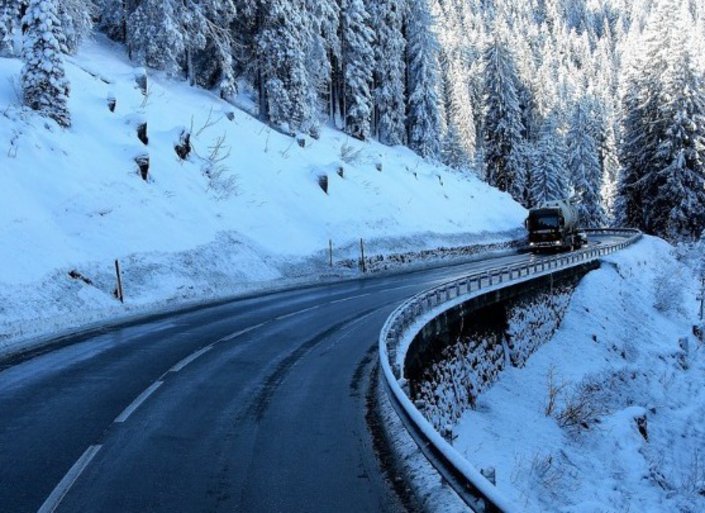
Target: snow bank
(626,432)
(243,210)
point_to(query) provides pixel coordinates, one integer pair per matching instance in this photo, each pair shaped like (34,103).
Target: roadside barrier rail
(409,319)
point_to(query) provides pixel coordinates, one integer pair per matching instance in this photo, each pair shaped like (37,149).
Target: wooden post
(362,255)
(330,252)
(119,282)
(702,296)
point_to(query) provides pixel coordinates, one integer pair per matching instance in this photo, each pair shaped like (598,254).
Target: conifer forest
(599,100)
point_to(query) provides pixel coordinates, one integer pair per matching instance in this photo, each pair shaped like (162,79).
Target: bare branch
(208,123)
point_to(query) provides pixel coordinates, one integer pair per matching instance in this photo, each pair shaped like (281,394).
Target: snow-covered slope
(616,361)
(73,199)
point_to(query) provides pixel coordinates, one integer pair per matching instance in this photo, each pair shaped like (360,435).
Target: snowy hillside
(253,215)
(624,430)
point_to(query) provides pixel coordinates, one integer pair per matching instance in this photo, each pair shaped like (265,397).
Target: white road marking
(241,332)
(137,402)
(400,287)
(183,363)
(348,298)
(292,314)
(69,479)
(351,327)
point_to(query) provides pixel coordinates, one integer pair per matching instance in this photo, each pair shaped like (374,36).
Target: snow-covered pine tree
(212,64)
(323,51)
(358,62)
(453,144)
(459,108)
(44,84)
(548,171)
(155,35)
(503,127)
(632,122)
(113,16)
(10,16)
(390,71)
(423,121)
(285,85)
(645,123)
(460,60)
(584,165)
(637,147)
(76,21)
(452,149)
(244,30)
(676,191)
(610,171)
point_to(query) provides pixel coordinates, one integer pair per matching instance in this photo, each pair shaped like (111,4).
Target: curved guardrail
(411,316)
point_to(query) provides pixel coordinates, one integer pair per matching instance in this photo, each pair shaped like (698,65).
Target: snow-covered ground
(248,215)
(626,432)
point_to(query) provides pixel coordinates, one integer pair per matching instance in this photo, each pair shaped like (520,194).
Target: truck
(554,226)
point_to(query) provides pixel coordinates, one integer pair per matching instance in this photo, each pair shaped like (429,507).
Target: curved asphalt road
(251,406)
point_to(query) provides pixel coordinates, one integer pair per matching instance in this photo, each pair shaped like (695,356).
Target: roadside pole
(362,256)
(118,290)
(702,295)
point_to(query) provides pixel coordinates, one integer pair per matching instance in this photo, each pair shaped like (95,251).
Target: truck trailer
(554,226)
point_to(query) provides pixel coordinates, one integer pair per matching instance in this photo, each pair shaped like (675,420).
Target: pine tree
(610,171)
(155,36)
(503,127)
(636,148)
(358,61)
(459,112)
(676,190)
(113,16)
(547,176)
(423,122)
(323,51)
(453,144)
(244,29)
(75,18)
(185,37)
(44,84)
(286,90)
(584,166)
(210,58)
(10,16)
(459,34)
(390,71)
(659,186)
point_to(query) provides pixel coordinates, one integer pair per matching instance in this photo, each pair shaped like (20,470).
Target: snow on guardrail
(410,317)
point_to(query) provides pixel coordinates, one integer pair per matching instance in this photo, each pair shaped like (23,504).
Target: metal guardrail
(411,316)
